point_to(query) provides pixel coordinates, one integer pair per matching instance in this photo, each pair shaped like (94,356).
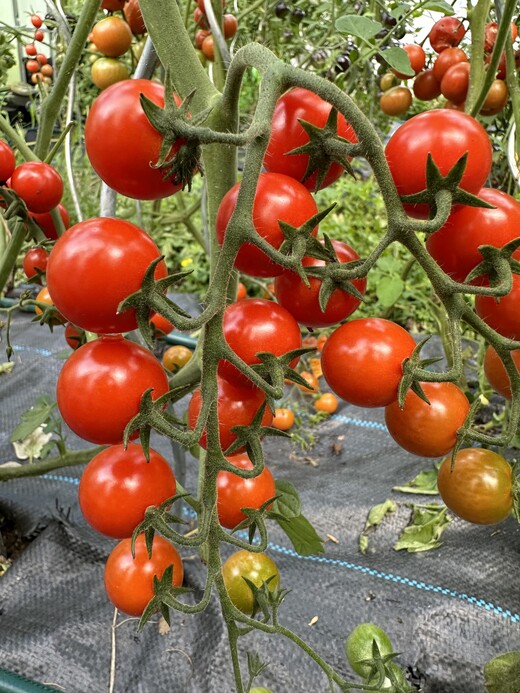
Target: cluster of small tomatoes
(112,36)
(448,72)
(204,39)
(37,64)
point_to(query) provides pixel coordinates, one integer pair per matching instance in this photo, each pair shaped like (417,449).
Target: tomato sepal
(165,598)
(498,264)
(410,380)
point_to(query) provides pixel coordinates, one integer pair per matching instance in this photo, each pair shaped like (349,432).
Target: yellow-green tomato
(256,567)
(358,647)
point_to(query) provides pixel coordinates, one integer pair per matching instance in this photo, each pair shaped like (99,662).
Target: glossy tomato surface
(303,302)
(445,33)
(256,567)
(108,259)
(7,161)
(428,430)
(35,260)
(287,134)
(101,384)
(118,485)
(46,222)
(447,135)
(502,314)
(38,184)
(277,198)
(479,489)
(455,246)
(129,581)
(234,493)
(236,406)
(121,143)
(256,325)
(362,360)
(496,373)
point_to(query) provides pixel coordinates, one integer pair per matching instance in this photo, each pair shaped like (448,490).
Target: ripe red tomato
(303,303)
(235,493)
(200,35)
(277,198)
(455,82)
(502,314)
(108,259)
(362,360)
(446,135)
(112,36)
(101,384)
(32,66)
(35,259)
(256,567)
(455,246)
(428,430)
(36,21)
(447,59)
(200,18)
(426,86)
(395,101)
(160,325)
(445,33)
(417,58)
(254,325)
(479,489)
(118,485)
(38,184)
(208,47)
(121,142)
(74,336)
(129,581)
(490,35)
(236,406)
(134,17)
(112,5)
(230,25)
(496,373)
(7,162)
(107,71)
(46,223)
(288,134)
(241,291)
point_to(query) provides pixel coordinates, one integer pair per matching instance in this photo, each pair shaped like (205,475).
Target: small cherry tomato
(283,419)
(312,383)
(45,297)
(36,21)
(32,66)
(446,59)
(74,336)
(327,403)
(417,58)
(258,568)
(175,357)
(241,291)
(395,101)
(455,82)
(46,222)
(7,162)
(208,47)
(359,647)
(446,33)
(230,25)
(426,87)
(38,35)
(502,314)
(496,98)
(108,71)
(112,36)
(35,259)
(38,184)
(160,325)
(496,372)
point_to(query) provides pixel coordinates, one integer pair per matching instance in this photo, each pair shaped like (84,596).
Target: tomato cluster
(112,37)
(37,64)
(204,39)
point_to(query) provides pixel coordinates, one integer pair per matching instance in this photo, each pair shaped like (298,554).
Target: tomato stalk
(69,459)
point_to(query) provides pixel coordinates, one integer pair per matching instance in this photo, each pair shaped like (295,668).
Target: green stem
(70,459)
(8,259)
(478,16)
(16,140)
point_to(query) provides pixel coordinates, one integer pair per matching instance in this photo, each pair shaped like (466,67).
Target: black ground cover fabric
(448,611)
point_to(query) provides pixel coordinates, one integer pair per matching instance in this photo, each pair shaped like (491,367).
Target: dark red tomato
(38,184)
(122,144)
(230,25)
(129,580)
(74,336)
(303,303)
(101,384)
(428,430)
(496,98)
(200,18)
(496,372)
(455,245)
(417,58)
(108,259)
(35,259)
(288,134)
(46,223)
(455,82)
(258,568)
(235,493)
(7,162)
(395,101)
(236,406)
(446,135)
(134,17)
(490,35)
(208,47)
(254,325)
(118,485)
(200,35)
(447,59)
(502,314)
(445,33)
(277,198)
(479,489)
(362,360)
(426,86)
(112,5)
(160,325)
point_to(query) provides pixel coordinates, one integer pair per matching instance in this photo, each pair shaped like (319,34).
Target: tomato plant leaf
(398,59)
(38,415)
(502,673)
(287,504)
(361,27)
(424,483)
(438,6)
(425,529)
(389,290)
(302,535)
(377,513)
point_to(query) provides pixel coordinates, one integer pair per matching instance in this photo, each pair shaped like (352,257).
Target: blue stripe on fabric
(38,350)
(360,422)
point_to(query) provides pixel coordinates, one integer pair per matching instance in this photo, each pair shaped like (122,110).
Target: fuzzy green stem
(50,464)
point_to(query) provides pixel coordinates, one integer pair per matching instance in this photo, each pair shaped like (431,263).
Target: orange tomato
(327,402)
(175,357)
(283,419)
(312,383)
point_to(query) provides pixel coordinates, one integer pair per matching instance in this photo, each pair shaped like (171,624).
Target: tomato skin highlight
(362,360)
(118,485)
(108,259)
(129,581)
(235,493)
(278,198)
(121,142)
(428,430)
(38,184)
(447,135)
(35,259)
(100,386)
(479,489)
(256,567)
(288,134)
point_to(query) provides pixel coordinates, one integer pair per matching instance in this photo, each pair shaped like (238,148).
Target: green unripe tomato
(256,567)
(358,646)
